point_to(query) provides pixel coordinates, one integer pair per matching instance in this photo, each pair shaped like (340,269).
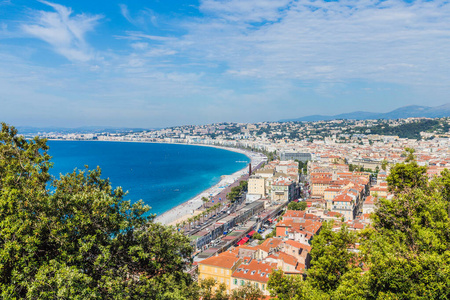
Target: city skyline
(167,63)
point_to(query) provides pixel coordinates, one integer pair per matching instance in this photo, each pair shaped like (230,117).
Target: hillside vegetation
(409,130)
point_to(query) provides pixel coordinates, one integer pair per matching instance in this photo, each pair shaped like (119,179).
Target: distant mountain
(412,111)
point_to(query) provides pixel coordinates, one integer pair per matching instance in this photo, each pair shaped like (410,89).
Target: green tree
(302,205)
(243,184)
(285,287)
(408,175)
(271,234)
(76,238)
(205,200)
(384,164)
(409,154)
(247,292)
(407,249)
(332,256)
(257,236)
(210,291)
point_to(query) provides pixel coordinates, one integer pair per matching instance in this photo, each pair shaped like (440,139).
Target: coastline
(190,207)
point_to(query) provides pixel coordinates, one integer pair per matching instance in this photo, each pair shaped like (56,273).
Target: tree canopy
(74,237)
(301,205)
(237,191)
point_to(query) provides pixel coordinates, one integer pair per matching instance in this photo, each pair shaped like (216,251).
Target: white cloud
(64,31)
(125,12)
(136,35)
(245,11)
(391,41)
(141,19)
(265,57)
(139,46)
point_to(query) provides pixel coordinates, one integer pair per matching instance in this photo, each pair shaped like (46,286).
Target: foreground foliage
(76,238)
(210,289)
(404,255)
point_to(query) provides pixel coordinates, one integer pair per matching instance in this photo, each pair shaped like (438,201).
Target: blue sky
(174,62)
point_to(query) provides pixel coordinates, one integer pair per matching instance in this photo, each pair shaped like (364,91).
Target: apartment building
(255,273)
(283,189)
(219,267)
(345,204)
(257,185)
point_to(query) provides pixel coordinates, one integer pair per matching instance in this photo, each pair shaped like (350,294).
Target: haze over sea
(162,175)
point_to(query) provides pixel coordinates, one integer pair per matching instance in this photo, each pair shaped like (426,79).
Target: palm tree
(203,215)
(205,200)
(216,207)
(197,219)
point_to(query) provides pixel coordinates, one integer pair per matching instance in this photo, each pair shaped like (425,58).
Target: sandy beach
(218,191)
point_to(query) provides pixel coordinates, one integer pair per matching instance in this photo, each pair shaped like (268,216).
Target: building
(345,204)
(369,205)
(254,273)
(300,156)
(283,189)
(257,185)
(219,267)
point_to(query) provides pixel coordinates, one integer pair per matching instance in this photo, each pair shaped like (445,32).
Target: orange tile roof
(298,245)
(286,258)
(255,271)
(294,214)
(271,243)
(224,260)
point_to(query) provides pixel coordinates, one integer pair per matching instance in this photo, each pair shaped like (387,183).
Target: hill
(411,111)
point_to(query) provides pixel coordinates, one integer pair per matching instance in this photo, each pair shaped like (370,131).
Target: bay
(162,175)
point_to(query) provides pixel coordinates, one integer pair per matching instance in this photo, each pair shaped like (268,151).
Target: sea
(162,175)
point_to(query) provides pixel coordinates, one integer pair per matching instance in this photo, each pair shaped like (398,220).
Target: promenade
(216,194)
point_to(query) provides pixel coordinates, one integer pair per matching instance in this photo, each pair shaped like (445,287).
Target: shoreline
(190,207)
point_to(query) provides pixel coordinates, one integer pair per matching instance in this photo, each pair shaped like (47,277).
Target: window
(235,281)
(221,270)
(215,270)
(228,281)
(242,282)
(263,287)
(256,285)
